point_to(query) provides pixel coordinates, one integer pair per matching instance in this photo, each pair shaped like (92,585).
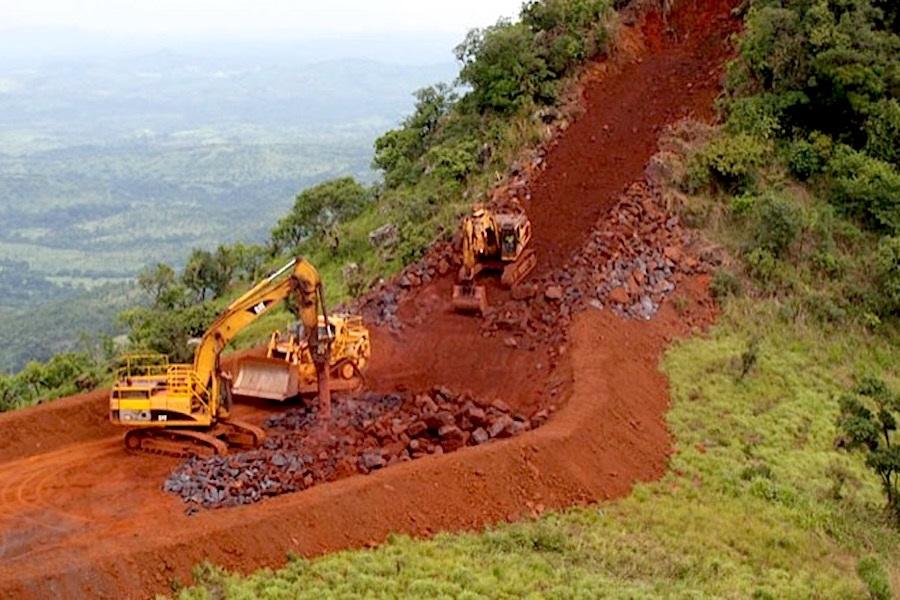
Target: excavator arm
(298,279)
(467,296)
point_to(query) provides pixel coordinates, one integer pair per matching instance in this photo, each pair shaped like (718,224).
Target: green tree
(161,283)
(208,274)
(866,188)
(398,151)
(168,331)
(505,68)
(868,420)
(317,209)
(249,261)
(824,66)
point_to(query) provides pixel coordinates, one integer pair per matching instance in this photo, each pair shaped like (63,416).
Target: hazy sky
(254,18)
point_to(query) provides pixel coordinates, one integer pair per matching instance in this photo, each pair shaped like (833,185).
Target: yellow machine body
(495,241)
(288,369)
(192,402)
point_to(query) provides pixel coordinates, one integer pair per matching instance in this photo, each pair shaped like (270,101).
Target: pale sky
(255,18)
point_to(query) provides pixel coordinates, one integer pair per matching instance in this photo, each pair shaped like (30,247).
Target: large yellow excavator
(495,240)
(184,410)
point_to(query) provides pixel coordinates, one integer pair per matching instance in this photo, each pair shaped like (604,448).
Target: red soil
(79,516)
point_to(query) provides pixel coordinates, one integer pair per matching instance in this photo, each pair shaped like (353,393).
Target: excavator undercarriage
(184,443)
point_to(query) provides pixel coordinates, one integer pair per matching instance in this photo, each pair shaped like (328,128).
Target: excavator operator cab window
(509,241)
(326,331)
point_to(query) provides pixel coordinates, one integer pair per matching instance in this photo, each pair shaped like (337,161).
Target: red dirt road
(79,516)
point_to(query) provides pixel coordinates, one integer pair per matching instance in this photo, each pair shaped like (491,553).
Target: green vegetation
(805,170)
(800,187)
(869,422)
(65,374)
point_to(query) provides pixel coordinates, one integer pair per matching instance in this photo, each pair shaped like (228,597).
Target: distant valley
(108,165)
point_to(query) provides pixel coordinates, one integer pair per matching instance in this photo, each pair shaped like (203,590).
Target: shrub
(866,188)
(453,162)
(762,265)
(724,284)
(760,115)
(571,30)
(883,131)
(731,161)
(742,204)
(778,224)
(872,573)
(65,373)
(887,276)
(808,157)
(824,309)
(827,263)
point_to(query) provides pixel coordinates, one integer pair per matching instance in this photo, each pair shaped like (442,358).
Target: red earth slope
(79,516)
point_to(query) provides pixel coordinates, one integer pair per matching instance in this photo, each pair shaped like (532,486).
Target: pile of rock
(379,306)
(632,261)
(635,262)
(367,432)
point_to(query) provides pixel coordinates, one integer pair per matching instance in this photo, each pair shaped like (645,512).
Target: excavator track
(186,443)
(238,434)
(516,271)
(178,443)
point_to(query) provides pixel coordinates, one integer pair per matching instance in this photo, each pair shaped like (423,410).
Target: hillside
(693,395)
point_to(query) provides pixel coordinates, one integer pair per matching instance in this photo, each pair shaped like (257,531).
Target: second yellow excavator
(185,410)
(288,368)
(494,240)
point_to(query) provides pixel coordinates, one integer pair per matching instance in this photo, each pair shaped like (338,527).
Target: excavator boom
(181,400)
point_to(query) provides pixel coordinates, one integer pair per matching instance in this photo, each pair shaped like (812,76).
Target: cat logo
(260,308)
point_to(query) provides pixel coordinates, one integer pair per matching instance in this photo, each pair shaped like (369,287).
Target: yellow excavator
(495,240)
(184,410)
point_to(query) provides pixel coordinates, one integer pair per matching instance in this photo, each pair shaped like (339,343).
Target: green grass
(757,502)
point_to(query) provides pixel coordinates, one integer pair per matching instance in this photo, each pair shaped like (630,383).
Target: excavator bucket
(469,299)
(269,378)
